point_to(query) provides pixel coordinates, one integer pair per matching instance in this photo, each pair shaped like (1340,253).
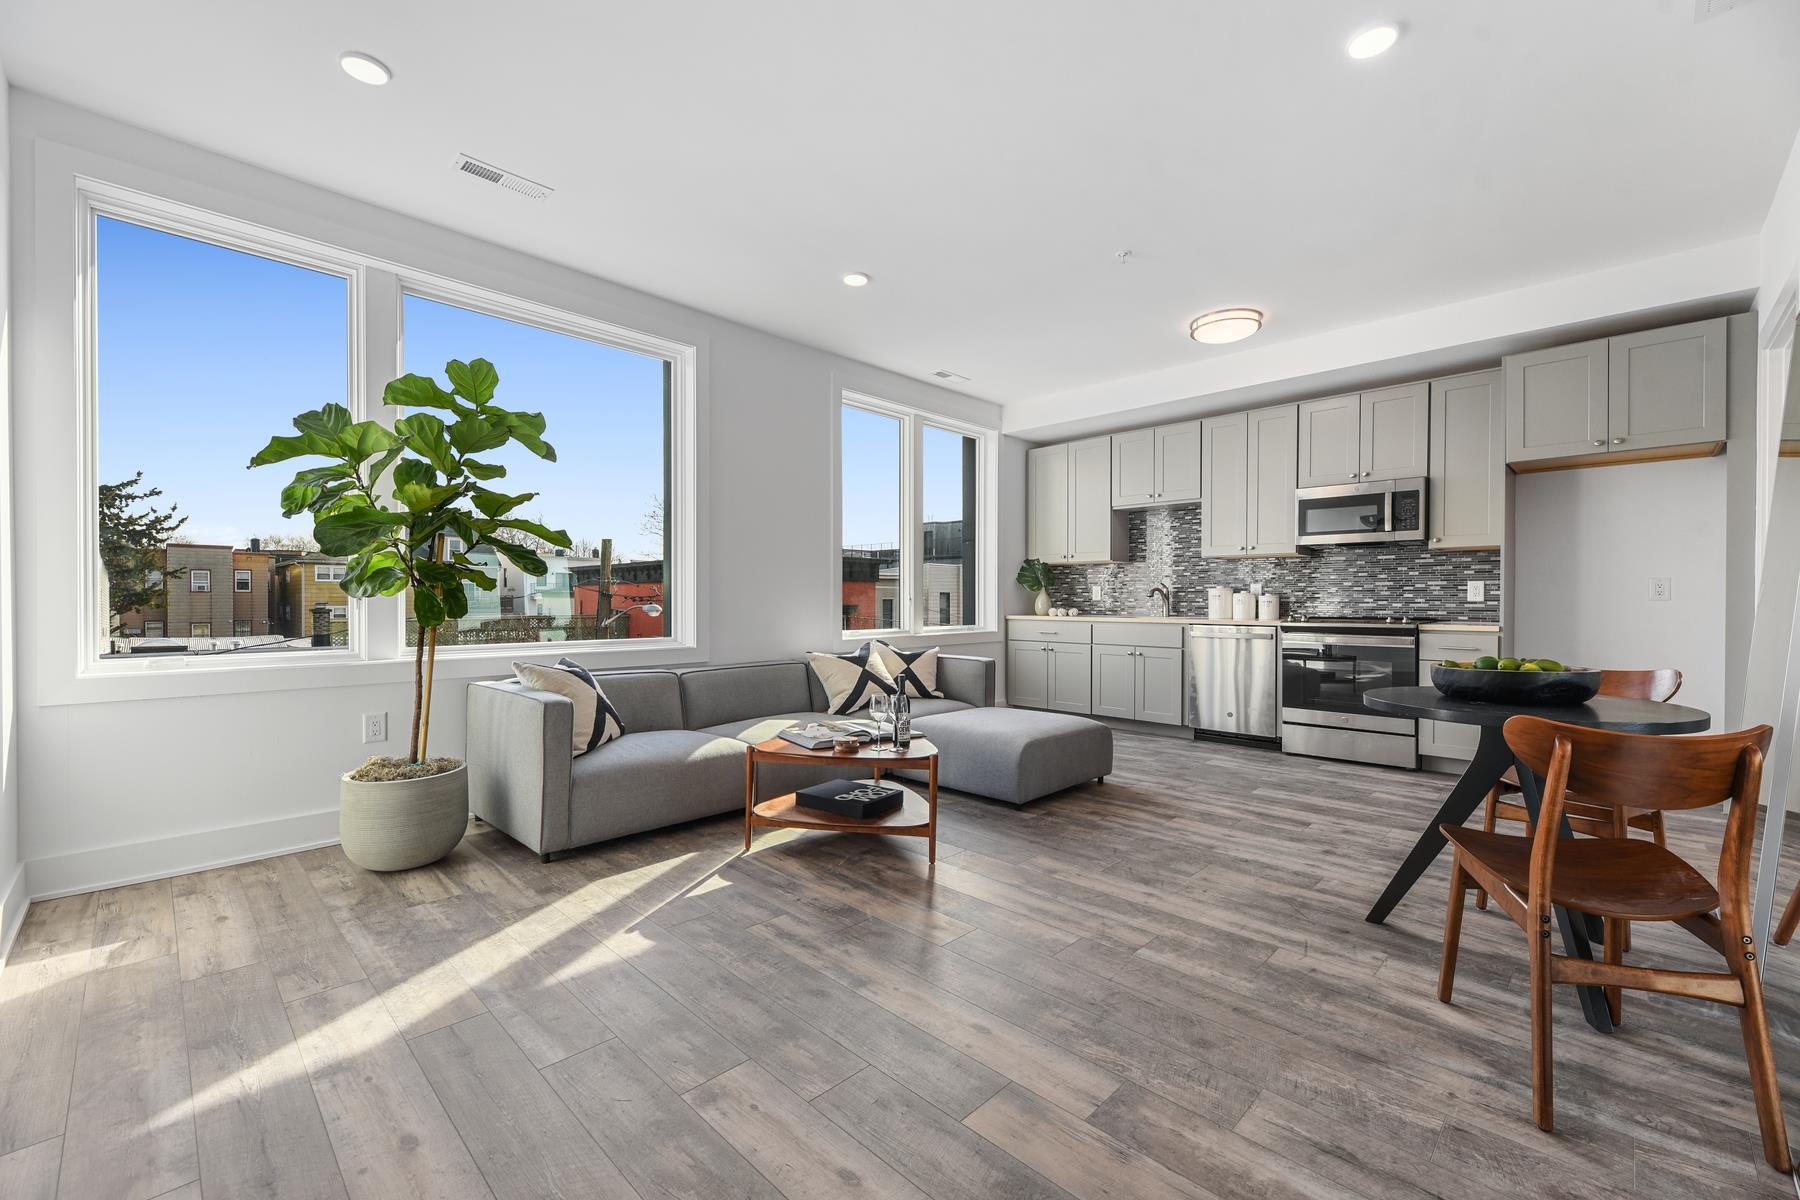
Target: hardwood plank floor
(1158,987)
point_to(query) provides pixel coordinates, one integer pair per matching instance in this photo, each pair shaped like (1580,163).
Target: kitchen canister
(1243,606)
(1268,607)
(1218,602)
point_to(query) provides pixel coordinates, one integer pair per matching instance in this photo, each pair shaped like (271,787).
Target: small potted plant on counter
(1034,576)
(403,506)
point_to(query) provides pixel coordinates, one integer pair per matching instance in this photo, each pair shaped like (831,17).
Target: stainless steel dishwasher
(1233,673)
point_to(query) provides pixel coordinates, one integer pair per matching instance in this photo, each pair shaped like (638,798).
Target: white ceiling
(985,161)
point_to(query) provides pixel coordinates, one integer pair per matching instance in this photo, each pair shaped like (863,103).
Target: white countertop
(1432,627)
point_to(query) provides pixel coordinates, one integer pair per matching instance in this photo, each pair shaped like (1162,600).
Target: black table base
(1492,757)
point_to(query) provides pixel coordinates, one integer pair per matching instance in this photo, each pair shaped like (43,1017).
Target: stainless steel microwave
(1388,510)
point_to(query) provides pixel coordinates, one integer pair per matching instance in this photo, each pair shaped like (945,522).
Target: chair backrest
(1638,770)
(1658,685)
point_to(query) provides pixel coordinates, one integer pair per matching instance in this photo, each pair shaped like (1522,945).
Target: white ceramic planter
(403,823)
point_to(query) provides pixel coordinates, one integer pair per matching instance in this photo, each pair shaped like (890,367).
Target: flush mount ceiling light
(856,279)
(1377,39)
(364,68)
(1225,325)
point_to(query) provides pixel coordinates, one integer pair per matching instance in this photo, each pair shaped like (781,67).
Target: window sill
(960,636)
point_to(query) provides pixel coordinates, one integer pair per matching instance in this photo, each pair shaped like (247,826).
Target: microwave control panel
(1406,512)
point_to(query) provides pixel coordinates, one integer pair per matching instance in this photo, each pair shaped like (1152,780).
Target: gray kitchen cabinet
(1393,443)
(1157,466)
(1666,387)
(1071,678)
(1272,458)
(1556,402)
(1442,739)
(1115,682)
(1027,675)
(1330,441)
(1466,509)
(1069,517)
(1134,468)
(1225,486)
(1159,685)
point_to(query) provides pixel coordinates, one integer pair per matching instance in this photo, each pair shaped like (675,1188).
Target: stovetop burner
(1349,619)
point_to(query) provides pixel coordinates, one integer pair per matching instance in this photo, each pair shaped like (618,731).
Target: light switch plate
(1095,593)
(1477,591)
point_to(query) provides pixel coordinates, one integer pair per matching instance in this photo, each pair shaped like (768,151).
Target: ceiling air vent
(949,376)
(506,179)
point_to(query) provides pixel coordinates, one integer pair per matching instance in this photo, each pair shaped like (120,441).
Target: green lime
(1532,667)
(1548,664)
(1508,664)
(1487,662)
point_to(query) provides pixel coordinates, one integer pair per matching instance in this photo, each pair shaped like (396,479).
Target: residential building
(303,583)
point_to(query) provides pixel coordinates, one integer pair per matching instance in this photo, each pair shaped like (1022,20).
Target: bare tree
(288,541)
(652,525)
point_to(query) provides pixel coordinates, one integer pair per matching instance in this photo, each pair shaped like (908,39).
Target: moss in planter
(388,770)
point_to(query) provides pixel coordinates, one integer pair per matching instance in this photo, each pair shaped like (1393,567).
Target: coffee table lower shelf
(916,816)
(785,812)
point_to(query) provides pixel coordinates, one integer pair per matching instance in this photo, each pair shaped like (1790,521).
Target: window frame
(200,579)
(375,287)
(328,572)
(912,603)
(241,579)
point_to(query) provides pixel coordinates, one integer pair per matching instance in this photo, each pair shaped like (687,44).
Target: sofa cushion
(651,779)
(596,720)
(714,695)
(645,699)
(760,729)
(1016,754)
(914,671)
(851,680)
(932,708)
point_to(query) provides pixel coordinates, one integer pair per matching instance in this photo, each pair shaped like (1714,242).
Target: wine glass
(879,707)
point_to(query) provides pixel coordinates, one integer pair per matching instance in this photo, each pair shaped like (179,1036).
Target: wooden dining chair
(1622,880)
(1659,685)
(1790,917)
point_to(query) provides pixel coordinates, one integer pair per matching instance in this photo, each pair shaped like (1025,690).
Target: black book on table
(851,798)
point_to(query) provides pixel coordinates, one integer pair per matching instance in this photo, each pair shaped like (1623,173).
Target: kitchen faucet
(1167,602)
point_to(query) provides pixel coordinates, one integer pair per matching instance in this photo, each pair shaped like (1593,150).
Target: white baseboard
(12,909)
(135,862)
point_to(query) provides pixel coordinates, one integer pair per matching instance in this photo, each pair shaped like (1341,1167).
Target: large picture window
(909,504)
(607,410)
(200,351)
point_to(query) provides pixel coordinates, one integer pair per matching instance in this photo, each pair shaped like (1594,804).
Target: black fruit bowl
(1528,689)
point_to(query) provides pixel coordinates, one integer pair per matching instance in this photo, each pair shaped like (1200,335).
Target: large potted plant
(403,506)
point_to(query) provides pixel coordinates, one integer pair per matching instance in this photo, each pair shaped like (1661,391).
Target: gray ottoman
(1016,754)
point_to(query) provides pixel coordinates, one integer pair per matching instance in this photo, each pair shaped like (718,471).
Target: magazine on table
(820,734)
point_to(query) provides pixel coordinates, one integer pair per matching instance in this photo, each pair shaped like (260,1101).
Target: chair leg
(1453,915)
(1753,1020)
(1543,1096)
(1618,939)
(1790,917)
(1487,823)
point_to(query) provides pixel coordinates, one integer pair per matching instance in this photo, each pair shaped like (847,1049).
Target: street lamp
(651,609)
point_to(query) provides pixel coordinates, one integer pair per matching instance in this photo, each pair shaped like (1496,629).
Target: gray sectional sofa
(682,756)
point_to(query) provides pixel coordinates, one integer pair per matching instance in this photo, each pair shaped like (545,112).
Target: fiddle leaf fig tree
(391,500)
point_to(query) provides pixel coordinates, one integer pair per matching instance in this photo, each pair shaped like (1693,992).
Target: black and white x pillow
(851,680)
(597,722)
(914,671)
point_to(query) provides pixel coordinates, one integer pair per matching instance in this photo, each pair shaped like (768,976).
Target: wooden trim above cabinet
(1619,458)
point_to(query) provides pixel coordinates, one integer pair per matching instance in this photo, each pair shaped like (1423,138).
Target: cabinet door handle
(1353,474)
(1601,442)
(1618,441)
(1435,541)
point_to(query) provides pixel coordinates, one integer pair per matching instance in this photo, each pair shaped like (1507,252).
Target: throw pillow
(597,722)
(914,671)
(851,680)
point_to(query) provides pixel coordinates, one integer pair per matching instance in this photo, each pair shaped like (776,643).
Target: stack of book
(860,798)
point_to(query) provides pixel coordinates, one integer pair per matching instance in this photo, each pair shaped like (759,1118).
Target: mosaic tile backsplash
(1394,579)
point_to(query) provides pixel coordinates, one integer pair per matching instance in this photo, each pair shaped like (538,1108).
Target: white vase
(1043,603)
(399,824)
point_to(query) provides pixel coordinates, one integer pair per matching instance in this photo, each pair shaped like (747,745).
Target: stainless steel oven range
(1326,666)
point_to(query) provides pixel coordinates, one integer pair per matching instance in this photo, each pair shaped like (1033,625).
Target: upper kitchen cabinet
(1330,444)
(1394,424)
(1467,506)
(1618,399)
(1069,517)
(1248,471)
(1158,466)
(1273,460)
(1666,387)
(1363,438)
(1225,480)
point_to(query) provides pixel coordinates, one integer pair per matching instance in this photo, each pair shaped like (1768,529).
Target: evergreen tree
(131,544)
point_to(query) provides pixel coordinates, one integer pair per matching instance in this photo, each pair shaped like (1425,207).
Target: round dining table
(1492,756)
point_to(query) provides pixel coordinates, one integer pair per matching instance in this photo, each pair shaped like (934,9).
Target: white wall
(1586,545)
(130,784)
(12,873)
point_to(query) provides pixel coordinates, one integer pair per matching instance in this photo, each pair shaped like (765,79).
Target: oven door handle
(1313,642)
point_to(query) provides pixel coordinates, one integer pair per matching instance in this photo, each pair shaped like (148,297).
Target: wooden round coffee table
(916,816)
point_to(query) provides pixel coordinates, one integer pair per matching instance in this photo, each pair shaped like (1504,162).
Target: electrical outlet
(1477,591)
(1659,587)
(1095,593)
(374,727)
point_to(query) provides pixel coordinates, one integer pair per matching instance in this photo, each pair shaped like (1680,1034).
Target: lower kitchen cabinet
(1136,682)
(1071,679)
(1159,685)
(1042,674)
(1027,675)
(1442,739)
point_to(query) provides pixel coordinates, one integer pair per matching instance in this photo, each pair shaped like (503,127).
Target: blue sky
(205,353)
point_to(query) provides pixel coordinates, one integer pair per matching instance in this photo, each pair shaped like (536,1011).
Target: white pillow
(913,671)
(597,722)
(851,680)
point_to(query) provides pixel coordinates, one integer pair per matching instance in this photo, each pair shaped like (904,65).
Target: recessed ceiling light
(856,279)
(1225,325)
(1377,39)
(364,68)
